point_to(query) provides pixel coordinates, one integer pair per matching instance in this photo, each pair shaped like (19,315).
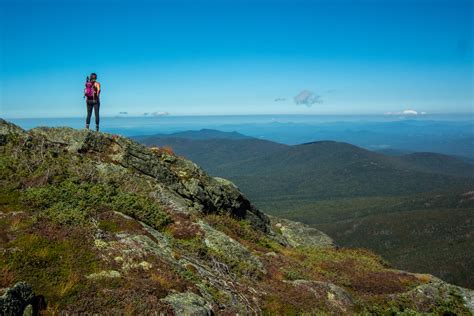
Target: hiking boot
(97,128)
(87,126)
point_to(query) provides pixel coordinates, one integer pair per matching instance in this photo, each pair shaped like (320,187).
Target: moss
(194,246)
(242,231)
(239,229)
(9,200)
(189,275)
(276,304)
(114,222)
(53,267)
(109,226)
(236,264)
(218,296)
(356,269)
(436,304)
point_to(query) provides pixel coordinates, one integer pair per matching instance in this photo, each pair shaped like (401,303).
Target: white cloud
(307,98)
(159,113)
(410,112)
(407,112)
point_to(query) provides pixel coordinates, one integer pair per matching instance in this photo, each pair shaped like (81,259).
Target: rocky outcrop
(438,293)
(180,176)
(16,299)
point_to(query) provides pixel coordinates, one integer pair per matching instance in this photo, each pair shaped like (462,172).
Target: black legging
(96,106)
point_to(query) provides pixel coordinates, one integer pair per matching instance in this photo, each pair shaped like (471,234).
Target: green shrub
(293,275)
(70,203)
(63,214)
(141,208)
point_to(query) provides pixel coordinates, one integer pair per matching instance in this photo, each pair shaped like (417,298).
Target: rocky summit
(98,224)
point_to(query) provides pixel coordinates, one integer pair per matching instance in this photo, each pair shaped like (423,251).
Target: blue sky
(237,57)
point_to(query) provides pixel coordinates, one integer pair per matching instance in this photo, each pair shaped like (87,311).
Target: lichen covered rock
(104,275)
(229,248)
(188,304)
(16,299)
(338,300)
(298,234)
(438,297)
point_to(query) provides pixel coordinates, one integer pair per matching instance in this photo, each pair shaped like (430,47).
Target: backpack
(90,89)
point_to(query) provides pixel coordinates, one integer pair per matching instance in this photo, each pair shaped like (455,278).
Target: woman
(92,95)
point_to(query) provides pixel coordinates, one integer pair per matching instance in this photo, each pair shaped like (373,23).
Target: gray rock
(300,235)
(439,293)
(336,297)
(188,304)
(106,274)
(16,299)
(468,298)
(229,248)
(28,310)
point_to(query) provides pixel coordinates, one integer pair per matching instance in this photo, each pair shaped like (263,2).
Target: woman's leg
(89,114)
(96,114)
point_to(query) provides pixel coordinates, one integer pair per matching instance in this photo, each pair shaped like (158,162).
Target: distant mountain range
(407,135)
(201,134)
(355,187)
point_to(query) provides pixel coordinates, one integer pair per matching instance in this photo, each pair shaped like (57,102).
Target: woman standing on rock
(92,95)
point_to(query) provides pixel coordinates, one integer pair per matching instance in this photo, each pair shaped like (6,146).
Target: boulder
(298,234)
(15,299)
(188,304)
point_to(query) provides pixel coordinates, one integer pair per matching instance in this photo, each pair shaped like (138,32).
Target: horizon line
(394,115)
